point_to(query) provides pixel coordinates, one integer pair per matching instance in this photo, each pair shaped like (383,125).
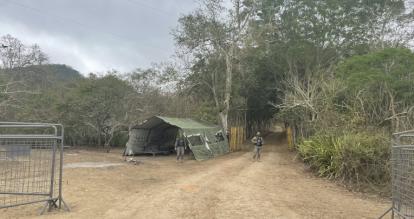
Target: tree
(12,96)
(155,89)
(305,41)
(101,104)
(210,34)
(16,54)
(382,84)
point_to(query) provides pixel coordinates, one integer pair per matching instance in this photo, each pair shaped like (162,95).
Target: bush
(357,159)
(120,139)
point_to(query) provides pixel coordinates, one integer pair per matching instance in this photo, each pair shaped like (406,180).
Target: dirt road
(232,186)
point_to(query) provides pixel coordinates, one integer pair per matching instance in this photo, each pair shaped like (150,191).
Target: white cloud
(95,37)
(83,57)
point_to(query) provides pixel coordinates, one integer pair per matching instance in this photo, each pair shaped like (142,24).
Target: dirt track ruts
(231,186)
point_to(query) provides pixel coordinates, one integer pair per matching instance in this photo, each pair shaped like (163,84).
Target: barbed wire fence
(31,164)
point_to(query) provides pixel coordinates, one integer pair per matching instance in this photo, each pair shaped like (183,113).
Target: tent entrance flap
(158,135)
(162,139)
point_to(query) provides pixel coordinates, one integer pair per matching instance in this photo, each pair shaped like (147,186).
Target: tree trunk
(223,120)
(99,136)
(227,92)
(108,142)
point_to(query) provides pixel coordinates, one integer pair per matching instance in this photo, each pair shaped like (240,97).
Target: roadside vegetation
(369,98)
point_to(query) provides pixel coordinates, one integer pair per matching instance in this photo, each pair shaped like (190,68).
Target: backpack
(259,141)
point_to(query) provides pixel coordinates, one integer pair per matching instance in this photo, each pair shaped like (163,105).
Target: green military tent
(157,135)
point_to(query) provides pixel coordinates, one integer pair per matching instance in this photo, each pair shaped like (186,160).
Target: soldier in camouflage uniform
(180,147)
(258,142)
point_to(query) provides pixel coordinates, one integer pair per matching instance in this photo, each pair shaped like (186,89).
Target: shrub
(357,159)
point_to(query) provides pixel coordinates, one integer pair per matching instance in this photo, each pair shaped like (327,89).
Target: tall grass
(360,160)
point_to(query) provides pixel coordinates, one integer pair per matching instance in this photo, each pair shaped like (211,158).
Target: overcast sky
(96,35)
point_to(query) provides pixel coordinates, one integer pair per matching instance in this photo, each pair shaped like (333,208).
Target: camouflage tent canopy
(158,134)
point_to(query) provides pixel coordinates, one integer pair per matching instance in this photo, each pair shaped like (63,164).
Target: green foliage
(355,158)
(367,93)
(36,91)
(381,86)
(120,139)
(101,104)
(206,112)
(392,66)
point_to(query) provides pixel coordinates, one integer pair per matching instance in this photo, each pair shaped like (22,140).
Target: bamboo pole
(289,134)
(240,137)
(233,138)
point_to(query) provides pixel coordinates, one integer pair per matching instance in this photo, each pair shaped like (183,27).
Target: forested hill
(38,75)
(35,92)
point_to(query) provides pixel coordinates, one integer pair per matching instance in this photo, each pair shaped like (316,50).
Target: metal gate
(31,161)
(402,164)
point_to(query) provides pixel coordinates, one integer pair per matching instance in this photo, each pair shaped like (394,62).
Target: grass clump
(360,160)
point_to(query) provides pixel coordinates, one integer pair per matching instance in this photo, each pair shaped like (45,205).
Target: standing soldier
(258,142)
(180,147)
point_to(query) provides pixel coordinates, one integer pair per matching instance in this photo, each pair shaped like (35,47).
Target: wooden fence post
(289,134)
